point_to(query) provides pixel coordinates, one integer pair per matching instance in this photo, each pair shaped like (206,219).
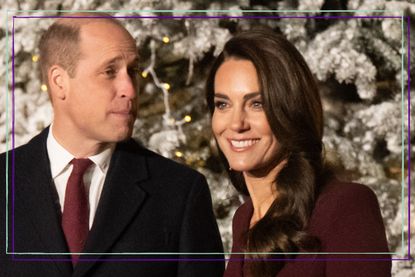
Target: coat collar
(34,195)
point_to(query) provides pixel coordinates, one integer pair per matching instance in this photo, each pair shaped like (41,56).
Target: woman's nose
(239,120)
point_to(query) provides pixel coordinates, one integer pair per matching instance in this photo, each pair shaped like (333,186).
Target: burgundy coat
(346,218)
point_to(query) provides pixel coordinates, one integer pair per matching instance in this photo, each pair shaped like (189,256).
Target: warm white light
(44,87)
(35,58)
(187,118)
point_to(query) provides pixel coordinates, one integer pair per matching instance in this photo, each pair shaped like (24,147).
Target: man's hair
(59,45)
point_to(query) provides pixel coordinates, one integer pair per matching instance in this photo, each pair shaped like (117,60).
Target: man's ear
(58,82)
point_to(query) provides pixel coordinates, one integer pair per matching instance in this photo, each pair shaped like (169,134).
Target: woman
(268,123)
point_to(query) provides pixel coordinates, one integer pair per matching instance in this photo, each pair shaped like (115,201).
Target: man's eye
(110,72)
(133,71)
(220,105)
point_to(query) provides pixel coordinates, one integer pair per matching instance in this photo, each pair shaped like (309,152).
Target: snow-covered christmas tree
(361,65)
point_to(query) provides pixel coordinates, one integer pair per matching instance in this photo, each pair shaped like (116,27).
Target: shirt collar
(60,158)
(103,158)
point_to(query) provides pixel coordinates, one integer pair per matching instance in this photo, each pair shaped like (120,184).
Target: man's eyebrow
(111,61)
(134,62)
(116,59)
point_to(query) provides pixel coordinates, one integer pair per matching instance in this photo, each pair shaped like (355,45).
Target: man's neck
(78,147)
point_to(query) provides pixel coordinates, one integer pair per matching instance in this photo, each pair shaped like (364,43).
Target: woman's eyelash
(257,103)
(220,104)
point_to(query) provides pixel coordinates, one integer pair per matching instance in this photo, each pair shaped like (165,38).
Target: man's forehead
(102,37)
(104,28)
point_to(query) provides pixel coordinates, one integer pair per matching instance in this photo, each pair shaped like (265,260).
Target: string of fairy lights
(169,122)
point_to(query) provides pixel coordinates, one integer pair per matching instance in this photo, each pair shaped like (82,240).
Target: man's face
(101,100)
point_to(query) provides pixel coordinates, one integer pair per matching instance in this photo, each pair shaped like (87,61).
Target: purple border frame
(408,258)
(408,39)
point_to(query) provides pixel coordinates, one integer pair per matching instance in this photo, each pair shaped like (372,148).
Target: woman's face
(239,122)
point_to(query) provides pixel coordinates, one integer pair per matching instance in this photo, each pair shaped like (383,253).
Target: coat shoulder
(345,200)
(160,166)
(346,193)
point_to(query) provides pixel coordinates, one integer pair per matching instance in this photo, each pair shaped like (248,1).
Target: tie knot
(80,165)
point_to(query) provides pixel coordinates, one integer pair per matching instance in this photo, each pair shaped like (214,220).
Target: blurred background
(360,64)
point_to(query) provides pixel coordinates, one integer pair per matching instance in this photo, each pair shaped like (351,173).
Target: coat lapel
(34,197)
(120,201)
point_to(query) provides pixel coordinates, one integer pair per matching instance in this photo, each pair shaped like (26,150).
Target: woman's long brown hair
(293,109)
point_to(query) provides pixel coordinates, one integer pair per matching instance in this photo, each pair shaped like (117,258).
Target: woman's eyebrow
(220,95)
(251,95)
(246,96)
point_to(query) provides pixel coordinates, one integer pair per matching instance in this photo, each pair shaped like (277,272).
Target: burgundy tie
(75,217)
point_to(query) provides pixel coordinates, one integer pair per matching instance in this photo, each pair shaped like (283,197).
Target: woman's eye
(257,104)
(220,105)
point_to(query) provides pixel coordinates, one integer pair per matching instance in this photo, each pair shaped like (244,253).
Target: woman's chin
(240,167)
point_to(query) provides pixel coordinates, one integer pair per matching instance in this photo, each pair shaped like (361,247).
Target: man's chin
(121,135)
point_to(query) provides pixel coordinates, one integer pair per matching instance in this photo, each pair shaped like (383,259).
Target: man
(84,186)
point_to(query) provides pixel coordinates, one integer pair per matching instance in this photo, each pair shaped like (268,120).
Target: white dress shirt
(94,177)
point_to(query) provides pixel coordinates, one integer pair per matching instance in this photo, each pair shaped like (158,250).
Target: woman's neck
(262,190)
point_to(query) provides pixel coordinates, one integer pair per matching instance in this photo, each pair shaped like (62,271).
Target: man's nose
(127,86)
(239,120)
